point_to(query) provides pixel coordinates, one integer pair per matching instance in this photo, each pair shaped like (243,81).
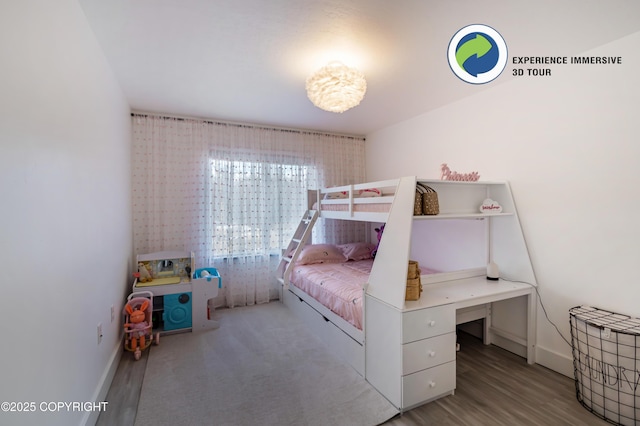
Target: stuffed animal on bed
(379,231)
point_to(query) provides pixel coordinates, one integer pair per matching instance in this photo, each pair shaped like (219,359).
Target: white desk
(479,292)
(410,352)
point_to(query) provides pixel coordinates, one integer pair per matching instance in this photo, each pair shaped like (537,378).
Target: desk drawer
(425,323)
(425,385)
(428,353)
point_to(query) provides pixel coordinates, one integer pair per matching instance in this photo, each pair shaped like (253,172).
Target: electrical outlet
(113,313)
(99,332)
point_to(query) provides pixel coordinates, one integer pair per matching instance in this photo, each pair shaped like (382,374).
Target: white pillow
(336,195)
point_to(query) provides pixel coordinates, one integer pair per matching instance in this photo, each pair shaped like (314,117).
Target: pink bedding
(338,286)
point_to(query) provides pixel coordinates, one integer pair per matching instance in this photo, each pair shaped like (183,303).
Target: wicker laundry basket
(414,285)
(606,363)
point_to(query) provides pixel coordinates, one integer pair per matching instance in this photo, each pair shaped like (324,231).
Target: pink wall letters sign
(447,174)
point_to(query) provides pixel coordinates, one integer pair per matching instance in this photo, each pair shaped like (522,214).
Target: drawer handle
(432,354)
(432,323)
(432,384)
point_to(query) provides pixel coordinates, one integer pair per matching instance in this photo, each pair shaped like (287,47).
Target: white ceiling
(247,60)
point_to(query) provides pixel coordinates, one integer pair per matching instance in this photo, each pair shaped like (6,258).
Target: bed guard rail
(349,196)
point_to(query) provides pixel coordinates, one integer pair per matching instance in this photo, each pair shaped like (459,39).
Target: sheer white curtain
(234,194)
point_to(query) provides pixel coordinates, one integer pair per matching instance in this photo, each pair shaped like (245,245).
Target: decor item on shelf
(336,87)
(490,206)
(447,174)
(417,205)
(493,273)
(414,285)
(426,201)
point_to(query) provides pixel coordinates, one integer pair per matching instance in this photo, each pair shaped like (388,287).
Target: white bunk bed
(342,336)
(396,348)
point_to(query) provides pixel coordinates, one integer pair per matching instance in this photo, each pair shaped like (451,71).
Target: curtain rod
(247,126)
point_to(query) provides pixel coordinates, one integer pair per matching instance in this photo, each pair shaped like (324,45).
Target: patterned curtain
(234,194)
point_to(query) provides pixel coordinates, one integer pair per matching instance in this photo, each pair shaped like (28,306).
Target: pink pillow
(336,195)
(370,192)
(357,251)
(320,253)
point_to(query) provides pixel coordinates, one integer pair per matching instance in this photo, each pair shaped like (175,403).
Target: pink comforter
(338,286)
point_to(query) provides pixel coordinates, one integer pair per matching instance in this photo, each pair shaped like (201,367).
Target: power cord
(542,305)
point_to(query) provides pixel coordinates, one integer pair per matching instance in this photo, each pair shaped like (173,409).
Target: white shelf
(164,289)
(460,216)
(456,182)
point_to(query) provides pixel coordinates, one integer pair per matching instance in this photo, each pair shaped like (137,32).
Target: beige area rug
(261,367)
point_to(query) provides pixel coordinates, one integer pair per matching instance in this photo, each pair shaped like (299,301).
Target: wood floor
(494,387)
(124,392)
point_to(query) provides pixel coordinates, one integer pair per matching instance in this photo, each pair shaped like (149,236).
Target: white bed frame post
(388,278)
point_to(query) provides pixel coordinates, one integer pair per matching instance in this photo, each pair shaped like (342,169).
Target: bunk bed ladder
(300,238)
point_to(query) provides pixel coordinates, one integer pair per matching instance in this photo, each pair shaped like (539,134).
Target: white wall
(65,220)
(569,146)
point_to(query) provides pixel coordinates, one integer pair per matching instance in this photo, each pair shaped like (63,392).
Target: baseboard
(559,363)
(554,361)
(510,345)
(100,394)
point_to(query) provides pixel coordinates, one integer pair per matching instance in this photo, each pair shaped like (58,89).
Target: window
(257,205)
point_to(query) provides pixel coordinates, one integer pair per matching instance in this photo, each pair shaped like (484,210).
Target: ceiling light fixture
(336,87)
